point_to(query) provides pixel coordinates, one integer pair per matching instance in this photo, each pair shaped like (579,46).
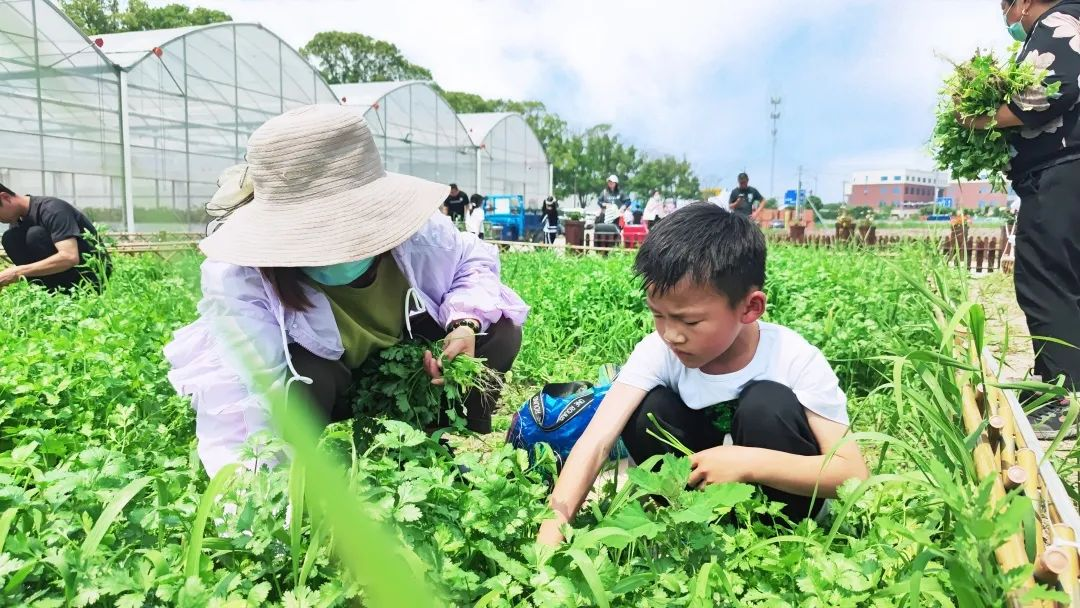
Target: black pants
(767,415)
(331,380)
(549,237)
(26,245)
(1047,270)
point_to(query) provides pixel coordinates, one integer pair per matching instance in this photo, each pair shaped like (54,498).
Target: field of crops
(103,502)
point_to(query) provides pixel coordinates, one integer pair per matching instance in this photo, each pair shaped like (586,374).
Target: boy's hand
(722,464)
(550,534)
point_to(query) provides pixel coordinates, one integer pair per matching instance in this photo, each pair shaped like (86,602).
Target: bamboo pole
(1028,461)
(1070,576)
(1008,429)
(1051,565)
(1011,554)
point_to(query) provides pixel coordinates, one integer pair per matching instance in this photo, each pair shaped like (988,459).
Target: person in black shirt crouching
(47,243)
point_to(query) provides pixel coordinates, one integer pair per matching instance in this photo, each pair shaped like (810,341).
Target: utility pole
(798,194)
(775,116)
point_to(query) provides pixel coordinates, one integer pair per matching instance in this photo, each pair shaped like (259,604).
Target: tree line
(582,159)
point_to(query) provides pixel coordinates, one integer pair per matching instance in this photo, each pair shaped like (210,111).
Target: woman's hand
(722,464)
(460,341)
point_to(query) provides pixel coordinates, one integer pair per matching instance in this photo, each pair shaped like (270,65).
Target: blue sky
(859,78)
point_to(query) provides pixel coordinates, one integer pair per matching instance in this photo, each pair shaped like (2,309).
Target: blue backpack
(558,415)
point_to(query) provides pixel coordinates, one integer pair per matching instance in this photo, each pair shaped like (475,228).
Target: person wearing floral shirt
(1043,132)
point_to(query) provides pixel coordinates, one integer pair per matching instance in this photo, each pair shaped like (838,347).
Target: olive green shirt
(369,318)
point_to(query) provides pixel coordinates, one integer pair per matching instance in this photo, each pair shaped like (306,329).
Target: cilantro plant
(103,501)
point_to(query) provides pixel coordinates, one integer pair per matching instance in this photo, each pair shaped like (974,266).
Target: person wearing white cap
(321,259)
(611,202)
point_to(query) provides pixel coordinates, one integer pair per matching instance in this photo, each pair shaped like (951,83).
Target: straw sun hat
(321,195)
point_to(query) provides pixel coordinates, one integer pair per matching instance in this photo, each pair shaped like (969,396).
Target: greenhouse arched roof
(129,48)
(370,93)
(480,124)
(511,158)
(415,129)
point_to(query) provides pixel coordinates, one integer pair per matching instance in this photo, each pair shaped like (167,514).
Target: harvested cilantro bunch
(393,384)
(977,89)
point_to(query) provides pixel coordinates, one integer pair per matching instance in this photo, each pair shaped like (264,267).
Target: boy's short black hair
(708,245)
(6,190)
(744,176)
(476,199)
(453,186)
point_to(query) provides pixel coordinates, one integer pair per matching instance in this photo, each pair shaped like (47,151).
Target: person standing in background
(1043,132)
(653,209)
(611,201)
(550,212)
(474,222)
(670,206)
(745,199)
(456,204)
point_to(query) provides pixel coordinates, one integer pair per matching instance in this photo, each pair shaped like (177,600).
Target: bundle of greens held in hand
(394,385)
(976,90)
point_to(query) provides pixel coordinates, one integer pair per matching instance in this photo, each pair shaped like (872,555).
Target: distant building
(898,188)
(975,195)
(902,189)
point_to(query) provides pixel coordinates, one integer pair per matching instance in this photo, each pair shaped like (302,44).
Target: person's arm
(1034,108)
(800,475)
(587,458)
(228,359)
(756,207)
(1051,49)
(65,258)
(1003,119)
(475,292)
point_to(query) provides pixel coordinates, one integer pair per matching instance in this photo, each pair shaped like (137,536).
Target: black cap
(744,176)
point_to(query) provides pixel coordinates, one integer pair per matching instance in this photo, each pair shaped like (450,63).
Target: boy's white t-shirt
(782,356)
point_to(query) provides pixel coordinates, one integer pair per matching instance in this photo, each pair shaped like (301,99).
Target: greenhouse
(417,132)
(511,157)
(176,106)
(60,120)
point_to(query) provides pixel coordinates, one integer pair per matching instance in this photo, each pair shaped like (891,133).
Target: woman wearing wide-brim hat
(324,259)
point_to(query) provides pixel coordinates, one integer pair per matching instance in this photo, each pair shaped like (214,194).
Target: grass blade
(111,512)
(296,524)
(585,565)
(217,486)
(368,551)
(701,596)
(5,525)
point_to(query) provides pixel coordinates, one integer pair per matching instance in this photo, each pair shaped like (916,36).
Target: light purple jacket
(453,275)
